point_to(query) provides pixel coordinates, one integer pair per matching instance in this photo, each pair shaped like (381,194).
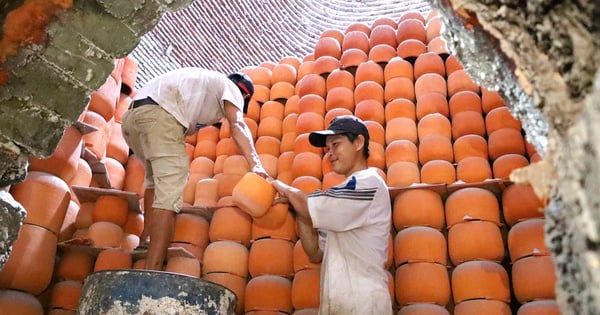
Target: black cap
(340,125)
(245,84)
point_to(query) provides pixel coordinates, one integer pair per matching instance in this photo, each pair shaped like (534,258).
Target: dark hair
(246,86)
(352,137)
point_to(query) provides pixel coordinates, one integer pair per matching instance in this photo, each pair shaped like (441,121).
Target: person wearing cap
(166,110)
(346,227)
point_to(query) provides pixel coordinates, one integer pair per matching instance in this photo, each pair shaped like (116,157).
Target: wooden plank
(81,247)
(171,252)
(204,211)
(99,171)
(496,186)
(84,128)
(438,188)
(90,194)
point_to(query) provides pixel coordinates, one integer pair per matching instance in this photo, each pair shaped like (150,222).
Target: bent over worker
(354,220)
(165,110)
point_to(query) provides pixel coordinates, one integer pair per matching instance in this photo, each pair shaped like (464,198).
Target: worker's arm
(243,137)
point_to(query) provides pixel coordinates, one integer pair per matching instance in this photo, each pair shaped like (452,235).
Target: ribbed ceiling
(227,35)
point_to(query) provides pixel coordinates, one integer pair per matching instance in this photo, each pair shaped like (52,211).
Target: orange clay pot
(412,15)
(505,164)
(328,46)
(65,295)
(526,238)
(104,100)
(267,145)
(398,67)
(358,26)
(205,148)
(271,257)
(113,259)
(325,65)
(272,109)
(452,64)
(230,223)
(340,97)
(423,308)
(339,78)
(269,126)
(105,234)
(306,67)
(480,279)
(30,265)
(305,289)
(301,261)
(234,283)
(74,265)
(400,107)
(422,282)
(268,293)
(287,231)
(309,122)
(17,302)
(464,101)
(520,202)
(473,170)
(288,124)
(431,103)
(539,307)
(311,103)
(472,203)
(184,265)
(429,63)
(467,123)
(68,226)
(433,27)
(461,81)
(402,174)
(302,144)
(430,82)
(84,216)
(499,118)
(262,93)
(399,87)
(368,90)
(401,128)
(439,46)
(283,72)
(490,100)
(311,84)
(376,131)
(482,306)
(334,33)
(116,147)
(418,207)
(368,71)
(435,147)
(434,124)
(370,110)
(64,160)
(261,75)
(110,209)
(306,183)
(226,256)
(83,175)
(46,198)
(115,172)
(356,39)
(383,34)
(505,141)
(533,278)
(488,245)
(411,29)
(274,218)
(253,194)
(401,150)
(377,156)
(470,146)
(410,49)
(438,172)
(420,244)
(190,228)
(287,142)
(307,164)
(382,54)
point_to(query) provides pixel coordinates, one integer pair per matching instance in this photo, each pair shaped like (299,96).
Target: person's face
(342,153)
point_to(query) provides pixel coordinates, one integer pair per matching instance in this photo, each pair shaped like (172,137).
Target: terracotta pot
(269,293)
(84,216)
(311,103)
(382,54)
(45,197)
(488,245)
(401,150)
(505,141)
(533,278)
(196,251)
(130,242)
(261,75)
(308,122)
(285,73)
(230,223)
(115,172)
(306,67)
(96,141)
(271,257)
(286,231)
(438,172)
(376,130)
(73,265)
(339,78)
(104,100)
(490,100)
(398,67)
(461,81)
(64,161)
(526,238)
(234,283)
(105,234)
(30,265)
(482,306)
(68,226)
(305,289)
(472,203)
(226,256)
(422,282)
(82,176)
(253,194)
(369,71)
(269,163)
(439,46)
(480,279)
(464,101)
(110,208)
(467,123)
(519,202)
(418,207)
(539,307)
(428,83)
(411,28)
(328,46)
(269,126)
(272,109)
(369,90)
(423,308)
(184,265)
(205,148)
(302,144)
(301,260)
(287,141)
(274,218)
(434,124)
(358,26)
(420,244)
(473,169)
(311,84)
(17,302)
(334,33)
(262,93)
(399,87)
(340,97)
(470,146)
(307,164)
(402,174)
(356,39)
(400,107)
(116,147)
(499,118)
(190,228)
(435,147)
(431,103)
(383,34)
(452,64)
(429,63)
(370,110)
(377,156)
(505,164)
(113,259)
(65,295)
(433,27)
(307,183)
(401,128)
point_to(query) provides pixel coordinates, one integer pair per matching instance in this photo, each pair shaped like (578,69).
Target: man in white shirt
(166,109)
(355,217)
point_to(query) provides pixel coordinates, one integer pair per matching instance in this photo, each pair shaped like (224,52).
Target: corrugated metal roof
(227,35)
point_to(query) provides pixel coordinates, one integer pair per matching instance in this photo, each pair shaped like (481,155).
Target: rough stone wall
(543,56)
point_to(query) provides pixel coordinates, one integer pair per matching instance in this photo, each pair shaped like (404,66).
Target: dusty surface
(12,216)
(543,56)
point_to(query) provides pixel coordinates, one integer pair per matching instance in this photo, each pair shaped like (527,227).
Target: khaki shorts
(157,138)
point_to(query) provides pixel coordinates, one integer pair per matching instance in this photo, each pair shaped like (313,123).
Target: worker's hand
(259,170)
